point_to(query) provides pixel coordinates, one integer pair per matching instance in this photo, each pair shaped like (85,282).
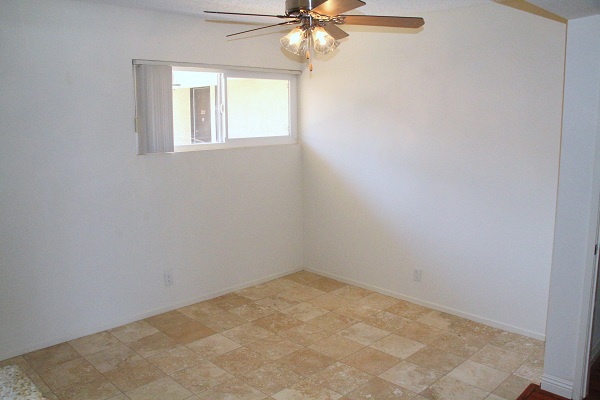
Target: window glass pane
(257,108)
(194,106)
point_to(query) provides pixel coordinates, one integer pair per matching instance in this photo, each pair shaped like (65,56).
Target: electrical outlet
(168,278)
(417,275)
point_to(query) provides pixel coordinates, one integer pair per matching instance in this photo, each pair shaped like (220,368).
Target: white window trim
(242,72)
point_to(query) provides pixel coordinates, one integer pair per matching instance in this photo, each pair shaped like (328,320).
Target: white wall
(577,213)
(87,227)
(439,150)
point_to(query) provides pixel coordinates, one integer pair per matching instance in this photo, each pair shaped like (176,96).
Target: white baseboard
(437,307)
(557,386)
(133,318)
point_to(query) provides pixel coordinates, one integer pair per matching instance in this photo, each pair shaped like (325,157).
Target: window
(184,107)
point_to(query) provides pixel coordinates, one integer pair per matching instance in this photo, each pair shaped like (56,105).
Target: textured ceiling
(568,9)
(375,7)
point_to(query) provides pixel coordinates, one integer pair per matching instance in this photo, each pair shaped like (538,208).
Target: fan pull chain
(308,54)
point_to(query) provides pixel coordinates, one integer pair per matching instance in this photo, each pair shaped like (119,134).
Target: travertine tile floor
(299,337)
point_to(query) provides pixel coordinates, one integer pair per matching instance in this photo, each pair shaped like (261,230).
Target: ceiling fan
(317,24)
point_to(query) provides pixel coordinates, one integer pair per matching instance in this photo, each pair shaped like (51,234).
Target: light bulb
(295,41)
(323,41)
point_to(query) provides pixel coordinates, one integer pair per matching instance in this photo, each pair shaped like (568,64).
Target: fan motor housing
(296,6)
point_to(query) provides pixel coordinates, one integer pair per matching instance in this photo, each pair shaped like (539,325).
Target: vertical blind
(154,93)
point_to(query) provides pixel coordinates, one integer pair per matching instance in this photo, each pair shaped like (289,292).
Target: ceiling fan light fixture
(323,42)
(295,41)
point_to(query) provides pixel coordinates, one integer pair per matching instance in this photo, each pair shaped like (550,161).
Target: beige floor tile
(475,330)
(307,390)
(352,293)
(201,377)
(298,337)
(420,332)
(271,378)
(357,311)
(336,347)
(329,302)
(410,376)
(363,333)
(531,371)
(253,311)
(119,397)
(179,327)
(20,361)
(97,388)
(517,343)
(341,378)
(277,322)
(168,320)
(200,310)
(512,387)
(461,346)
(113,358)
(439,320)
(448,388)
(304,311)
(240,360)
(499,358)
(94,343)
(388,321)
(274,347)
(229,301)
(333,322)
(303,277)
(175,360)
(326,284)
(436,359)
(133,331)
(282,284)
(161,389)
(303,293)
(69,373)
(51,357)
(257,292)
(371,361)
(232,390)
(306,362)
(305,334)
(278,302)
(133,375)
(538,356)
(408,310)
(479,375)
(378,301)
(397,346)
(222,321)
(153,344)
(212,346)
(494,397)
(380,389)
(248,333)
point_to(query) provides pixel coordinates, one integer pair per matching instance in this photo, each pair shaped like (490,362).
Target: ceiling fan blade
(247,15)
(335,31)
(264,27)
(382,20)
(337,7)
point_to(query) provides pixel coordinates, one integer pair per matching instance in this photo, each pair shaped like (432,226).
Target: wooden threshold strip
(534,392)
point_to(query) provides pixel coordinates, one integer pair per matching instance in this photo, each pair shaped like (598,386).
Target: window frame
(222,112)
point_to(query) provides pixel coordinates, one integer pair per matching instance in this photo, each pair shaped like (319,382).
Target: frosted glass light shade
(295,41)
(323,41)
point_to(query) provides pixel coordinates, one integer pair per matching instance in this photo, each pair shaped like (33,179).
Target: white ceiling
(568,9)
